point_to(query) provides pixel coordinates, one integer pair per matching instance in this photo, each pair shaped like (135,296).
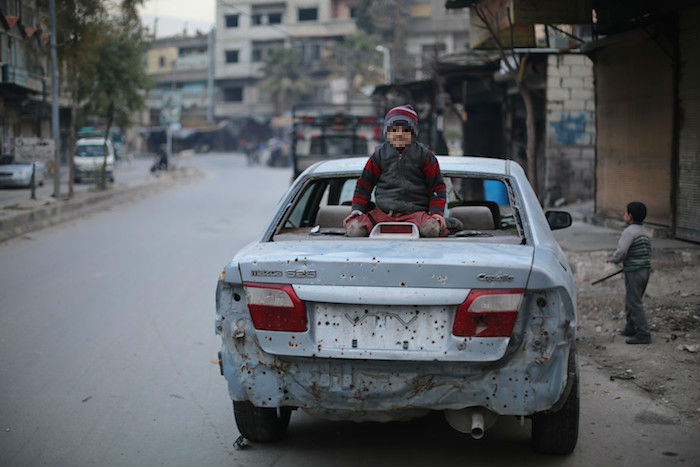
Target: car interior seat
(474,217)
(332,216)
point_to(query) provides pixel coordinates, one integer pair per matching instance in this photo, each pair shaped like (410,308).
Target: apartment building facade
(25,86)
(179,68)
(433,32)
(247,30)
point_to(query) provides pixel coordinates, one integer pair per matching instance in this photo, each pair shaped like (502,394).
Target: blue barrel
(495,190)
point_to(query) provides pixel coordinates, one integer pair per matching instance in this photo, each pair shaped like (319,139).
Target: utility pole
(210,78)
(54,102)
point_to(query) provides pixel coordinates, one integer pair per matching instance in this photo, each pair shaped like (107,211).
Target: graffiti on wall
(569,128)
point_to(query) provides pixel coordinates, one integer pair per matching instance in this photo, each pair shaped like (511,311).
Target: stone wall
(569,163)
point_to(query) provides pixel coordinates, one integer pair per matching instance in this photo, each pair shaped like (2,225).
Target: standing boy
(634,250)
(406,178)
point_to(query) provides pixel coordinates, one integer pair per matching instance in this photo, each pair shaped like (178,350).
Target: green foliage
(285,78)
(120,78)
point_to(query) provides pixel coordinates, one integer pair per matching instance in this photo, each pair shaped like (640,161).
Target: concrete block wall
(569,163)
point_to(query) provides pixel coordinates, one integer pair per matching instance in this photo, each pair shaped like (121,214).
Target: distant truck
(323,131)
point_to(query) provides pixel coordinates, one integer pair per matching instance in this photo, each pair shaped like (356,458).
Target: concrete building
(248,29)
(647,63)
(179,67)
(25,85)
(433,32)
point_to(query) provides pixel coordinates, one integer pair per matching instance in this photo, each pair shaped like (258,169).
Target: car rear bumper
(530,378)
(516,388)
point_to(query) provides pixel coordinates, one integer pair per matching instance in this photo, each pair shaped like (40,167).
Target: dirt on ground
(668,369)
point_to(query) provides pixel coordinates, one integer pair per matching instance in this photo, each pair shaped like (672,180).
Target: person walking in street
(634,251)
(406,178)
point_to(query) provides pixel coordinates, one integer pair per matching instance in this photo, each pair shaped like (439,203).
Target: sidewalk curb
(88,202)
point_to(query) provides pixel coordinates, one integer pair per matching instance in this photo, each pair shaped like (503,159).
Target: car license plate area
(380,327)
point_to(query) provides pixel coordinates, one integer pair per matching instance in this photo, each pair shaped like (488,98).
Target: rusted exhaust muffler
(472,420)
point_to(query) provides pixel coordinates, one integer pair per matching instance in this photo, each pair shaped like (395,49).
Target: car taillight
(275,307)
(395,229)
(488,313)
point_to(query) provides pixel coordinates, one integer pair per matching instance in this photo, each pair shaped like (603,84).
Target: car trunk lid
(381,299)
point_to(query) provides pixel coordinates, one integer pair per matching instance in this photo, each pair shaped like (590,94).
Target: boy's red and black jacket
(404,182)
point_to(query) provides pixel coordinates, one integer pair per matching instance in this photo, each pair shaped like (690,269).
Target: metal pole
(387,65)
(54,101)
(210,79)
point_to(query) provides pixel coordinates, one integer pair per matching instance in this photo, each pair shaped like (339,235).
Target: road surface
(107,353)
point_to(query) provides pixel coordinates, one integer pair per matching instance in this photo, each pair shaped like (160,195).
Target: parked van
(89,157)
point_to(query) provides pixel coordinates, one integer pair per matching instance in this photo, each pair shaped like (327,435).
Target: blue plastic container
(495,190)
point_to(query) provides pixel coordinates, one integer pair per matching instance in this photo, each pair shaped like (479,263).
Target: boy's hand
(440,220)
(352,215)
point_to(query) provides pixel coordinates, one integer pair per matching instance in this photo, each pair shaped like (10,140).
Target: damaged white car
(478,324)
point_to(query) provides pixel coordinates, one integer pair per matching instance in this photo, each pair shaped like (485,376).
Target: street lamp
(387,62)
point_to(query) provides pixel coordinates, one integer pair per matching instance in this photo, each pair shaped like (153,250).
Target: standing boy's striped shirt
(633,249)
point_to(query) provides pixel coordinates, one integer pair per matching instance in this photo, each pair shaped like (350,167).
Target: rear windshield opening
(477,208)
(90,150)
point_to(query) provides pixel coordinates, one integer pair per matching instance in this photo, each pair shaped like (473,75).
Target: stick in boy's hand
(606,277)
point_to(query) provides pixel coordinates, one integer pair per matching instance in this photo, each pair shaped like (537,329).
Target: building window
(274,18)
(232,56)
(262,49)
(353,12)
(256,19)
(161,61)
(233,94)
(231,21)
(308,14)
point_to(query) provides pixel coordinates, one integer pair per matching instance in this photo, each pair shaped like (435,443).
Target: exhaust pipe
(472,420)
(477,424)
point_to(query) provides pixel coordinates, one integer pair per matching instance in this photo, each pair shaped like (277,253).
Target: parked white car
(89,158)
(19,174)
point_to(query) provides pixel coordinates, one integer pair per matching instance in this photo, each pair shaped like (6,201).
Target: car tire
(557,432)
(263,425)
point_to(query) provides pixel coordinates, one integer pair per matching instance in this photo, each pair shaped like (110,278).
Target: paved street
(107,342)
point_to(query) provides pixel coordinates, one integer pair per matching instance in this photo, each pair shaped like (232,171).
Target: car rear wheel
(261,424)
(557,432)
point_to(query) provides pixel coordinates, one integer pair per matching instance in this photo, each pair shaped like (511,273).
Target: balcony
(21,77)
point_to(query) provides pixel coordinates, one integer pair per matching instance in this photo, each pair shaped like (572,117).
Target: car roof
(447,164)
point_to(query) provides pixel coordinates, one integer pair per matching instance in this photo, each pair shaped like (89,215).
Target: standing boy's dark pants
(635,285)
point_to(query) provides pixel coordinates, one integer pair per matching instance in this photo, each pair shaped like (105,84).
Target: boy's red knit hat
(403,115)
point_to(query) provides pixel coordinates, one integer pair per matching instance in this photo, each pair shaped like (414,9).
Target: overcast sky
(176,15)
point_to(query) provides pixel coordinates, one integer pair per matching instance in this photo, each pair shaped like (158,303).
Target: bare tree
(516,66)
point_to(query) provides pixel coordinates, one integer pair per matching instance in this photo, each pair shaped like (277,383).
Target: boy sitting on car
(406,177)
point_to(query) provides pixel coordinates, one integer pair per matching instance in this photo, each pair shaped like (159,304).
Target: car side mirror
(558,219)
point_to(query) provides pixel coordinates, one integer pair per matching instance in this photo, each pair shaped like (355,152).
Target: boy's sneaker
(638,340)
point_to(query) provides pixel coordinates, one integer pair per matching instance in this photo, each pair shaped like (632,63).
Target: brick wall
(569,171)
